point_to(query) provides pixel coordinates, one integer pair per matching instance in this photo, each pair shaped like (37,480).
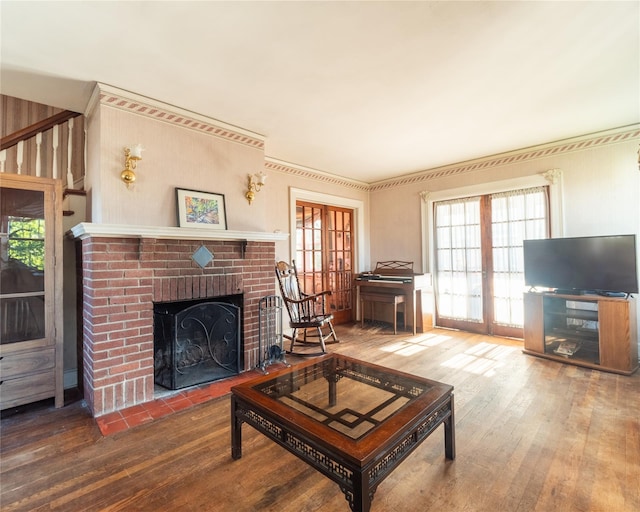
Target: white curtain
(459,259)
(515,216)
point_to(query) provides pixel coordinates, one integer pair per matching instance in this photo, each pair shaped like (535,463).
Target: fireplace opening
(197,341)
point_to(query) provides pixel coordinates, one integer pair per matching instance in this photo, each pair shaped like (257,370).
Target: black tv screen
(585,264)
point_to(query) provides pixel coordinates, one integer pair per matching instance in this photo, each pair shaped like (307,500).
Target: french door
(324,254)
(479,262)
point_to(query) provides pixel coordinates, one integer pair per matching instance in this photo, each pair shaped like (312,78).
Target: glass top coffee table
(353,421)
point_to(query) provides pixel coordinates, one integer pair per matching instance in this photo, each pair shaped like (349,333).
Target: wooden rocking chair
(306,312)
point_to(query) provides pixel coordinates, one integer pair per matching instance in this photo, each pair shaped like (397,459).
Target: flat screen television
(594,264)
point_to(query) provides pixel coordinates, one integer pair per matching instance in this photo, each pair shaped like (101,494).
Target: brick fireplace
(124,274)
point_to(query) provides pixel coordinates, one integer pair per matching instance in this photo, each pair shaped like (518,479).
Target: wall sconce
(254,185)
(131,157)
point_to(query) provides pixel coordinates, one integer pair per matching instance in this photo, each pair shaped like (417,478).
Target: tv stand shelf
(586,330)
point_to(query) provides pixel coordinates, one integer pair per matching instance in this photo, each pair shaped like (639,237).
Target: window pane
(22,265)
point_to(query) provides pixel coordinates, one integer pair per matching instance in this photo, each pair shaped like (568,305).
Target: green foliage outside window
(26,241)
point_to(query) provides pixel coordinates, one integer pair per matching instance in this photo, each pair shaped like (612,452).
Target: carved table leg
(236,431)
(361,493)
(450,435)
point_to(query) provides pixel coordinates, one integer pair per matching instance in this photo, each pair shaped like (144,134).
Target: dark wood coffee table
(353,421)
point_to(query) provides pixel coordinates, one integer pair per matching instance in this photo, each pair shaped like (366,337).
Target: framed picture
(198,209)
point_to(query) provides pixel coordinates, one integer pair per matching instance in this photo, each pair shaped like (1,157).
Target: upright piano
(397,278)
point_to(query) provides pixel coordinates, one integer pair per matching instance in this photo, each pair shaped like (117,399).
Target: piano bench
(383,298)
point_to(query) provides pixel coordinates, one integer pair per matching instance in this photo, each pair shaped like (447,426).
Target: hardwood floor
(531,435)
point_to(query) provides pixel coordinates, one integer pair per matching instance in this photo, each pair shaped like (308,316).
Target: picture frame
(202,210)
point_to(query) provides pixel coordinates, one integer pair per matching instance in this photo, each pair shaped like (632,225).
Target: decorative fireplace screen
(196,343)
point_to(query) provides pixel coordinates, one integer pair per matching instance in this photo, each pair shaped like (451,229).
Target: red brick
(144,371)
(123,333)
(122,300)
(105,347)
(142,337)
(108,364)
(108,381)
(122,283)
(107,328)
(123,265)
(128,317)
(124,368)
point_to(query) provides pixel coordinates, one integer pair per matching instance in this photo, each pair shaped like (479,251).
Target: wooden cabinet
(30,290)
(586,330)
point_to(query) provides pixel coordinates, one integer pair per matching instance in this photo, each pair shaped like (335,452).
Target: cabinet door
(533,323)
(23,265)
(30,283)
(615,335)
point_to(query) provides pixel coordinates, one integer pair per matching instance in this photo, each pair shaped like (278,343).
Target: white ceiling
(363,90)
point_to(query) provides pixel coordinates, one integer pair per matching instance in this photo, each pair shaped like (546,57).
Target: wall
(185,150)
(600,188)
(173,157)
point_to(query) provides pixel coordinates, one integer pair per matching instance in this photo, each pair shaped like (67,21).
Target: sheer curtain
(459,259)
(515,216)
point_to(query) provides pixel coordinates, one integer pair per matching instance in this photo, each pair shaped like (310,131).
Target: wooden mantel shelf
(89,229)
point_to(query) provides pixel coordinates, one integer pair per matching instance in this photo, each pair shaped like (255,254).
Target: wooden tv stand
(585,330)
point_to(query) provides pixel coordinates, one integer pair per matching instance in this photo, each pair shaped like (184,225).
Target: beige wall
(599,191)
(600,195)
(175,156)
(602,190)
(172,157)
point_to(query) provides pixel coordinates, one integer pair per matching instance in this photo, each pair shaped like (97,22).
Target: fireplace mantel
(89,229)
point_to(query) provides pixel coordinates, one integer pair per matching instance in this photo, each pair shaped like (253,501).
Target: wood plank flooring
(531,435)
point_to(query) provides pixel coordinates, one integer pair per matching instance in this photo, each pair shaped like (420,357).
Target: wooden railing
(34,150)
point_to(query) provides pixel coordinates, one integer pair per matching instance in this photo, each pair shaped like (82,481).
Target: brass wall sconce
(131,158)
(254,185)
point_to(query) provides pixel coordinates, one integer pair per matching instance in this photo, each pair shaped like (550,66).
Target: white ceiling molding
(148,107)
(542,151)
(272,164)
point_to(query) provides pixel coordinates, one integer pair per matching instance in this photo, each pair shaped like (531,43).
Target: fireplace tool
(270,333)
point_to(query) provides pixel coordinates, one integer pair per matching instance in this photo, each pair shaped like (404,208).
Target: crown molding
(273,164)
(604,138)
(110,96)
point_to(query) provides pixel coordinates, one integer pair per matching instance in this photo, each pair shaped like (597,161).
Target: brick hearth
(122,277)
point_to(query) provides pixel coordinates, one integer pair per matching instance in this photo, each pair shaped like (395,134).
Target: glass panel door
(515,216)
(459,271)
(339,262)
(479,277)
(324,255)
